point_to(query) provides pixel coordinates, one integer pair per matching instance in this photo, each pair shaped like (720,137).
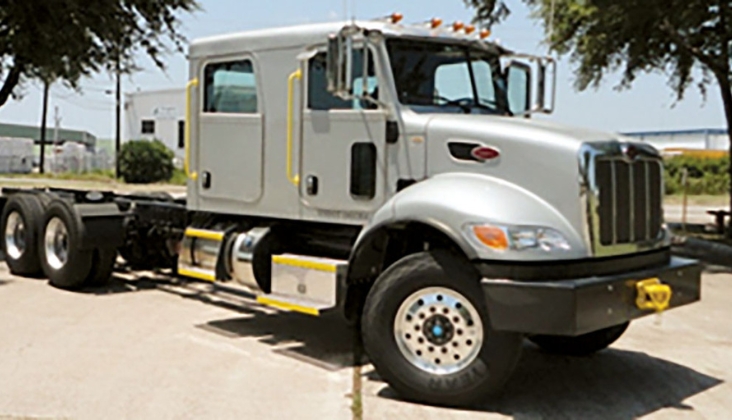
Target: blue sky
(649,105)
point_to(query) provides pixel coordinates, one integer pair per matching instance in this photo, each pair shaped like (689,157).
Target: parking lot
(147,347)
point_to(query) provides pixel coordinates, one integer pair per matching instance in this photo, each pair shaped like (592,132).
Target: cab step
(293,304)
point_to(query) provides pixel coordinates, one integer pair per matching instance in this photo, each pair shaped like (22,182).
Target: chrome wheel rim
(15,235)
(56,243)
(438,330)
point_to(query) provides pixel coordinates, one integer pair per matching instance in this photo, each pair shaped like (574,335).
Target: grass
(178,178)
(94,176)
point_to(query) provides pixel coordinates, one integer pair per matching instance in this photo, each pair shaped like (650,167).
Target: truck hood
(539,157)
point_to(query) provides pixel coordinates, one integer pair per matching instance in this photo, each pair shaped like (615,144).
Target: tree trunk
(724,86)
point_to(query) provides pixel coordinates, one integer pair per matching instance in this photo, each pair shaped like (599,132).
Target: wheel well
(382,248)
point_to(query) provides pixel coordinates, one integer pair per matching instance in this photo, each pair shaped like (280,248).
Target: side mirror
(547,69)
(519,88)
(340,65)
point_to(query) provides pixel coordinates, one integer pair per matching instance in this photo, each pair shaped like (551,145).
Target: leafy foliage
(68,39)
(145,162)
(705,175)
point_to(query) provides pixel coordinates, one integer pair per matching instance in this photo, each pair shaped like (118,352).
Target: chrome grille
(629,200)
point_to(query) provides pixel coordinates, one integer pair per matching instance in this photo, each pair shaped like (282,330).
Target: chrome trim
(588,155)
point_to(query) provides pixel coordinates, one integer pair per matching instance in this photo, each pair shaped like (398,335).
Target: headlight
(518,238)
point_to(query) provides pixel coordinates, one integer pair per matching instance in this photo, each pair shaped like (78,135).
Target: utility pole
(46,86)
(118,135)
(56,125)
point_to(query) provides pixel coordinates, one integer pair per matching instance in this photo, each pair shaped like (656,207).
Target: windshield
(443,77)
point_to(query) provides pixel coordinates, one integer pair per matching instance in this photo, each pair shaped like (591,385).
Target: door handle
(311,184)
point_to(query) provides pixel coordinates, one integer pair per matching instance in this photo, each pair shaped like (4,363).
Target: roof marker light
(469,29)
(457,26)
(485,33)
(436,23)
(396,17)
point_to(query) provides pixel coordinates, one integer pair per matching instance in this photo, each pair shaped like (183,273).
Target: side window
(318,96)
(230,87)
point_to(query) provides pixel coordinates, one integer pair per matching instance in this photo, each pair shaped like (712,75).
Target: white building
(158,115)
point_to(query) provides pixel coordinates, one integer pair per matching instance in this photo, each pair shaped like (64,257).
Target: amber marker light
(492,237)
(436,23)
(469,29)
(457,26)
(396,17)
(485,33)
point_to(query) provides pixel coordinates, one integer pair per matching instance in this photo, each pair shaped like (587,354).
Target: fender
(448,202)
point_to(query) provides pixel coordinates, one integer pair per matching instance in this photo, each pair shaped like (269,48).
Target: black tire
(25,261)
(72,273)
(102,267)
(485,375)
(582,345)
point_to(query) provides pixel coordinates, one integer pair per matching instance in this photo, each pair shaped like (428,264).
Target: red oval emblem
(483,153)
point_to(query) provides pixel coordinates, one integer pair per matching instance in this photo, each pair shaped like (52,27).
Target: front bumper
(578,306)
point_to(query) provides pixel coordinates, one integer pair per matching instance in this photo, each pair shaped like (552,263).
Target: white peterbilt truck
(392,173)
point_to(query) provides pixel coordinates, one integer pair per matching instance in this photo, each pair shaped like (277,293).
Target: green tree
(74,38)
(688,40)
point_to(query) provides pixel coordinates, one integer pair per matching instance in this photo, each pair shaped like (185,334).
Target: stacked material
(75,158)
(16,155)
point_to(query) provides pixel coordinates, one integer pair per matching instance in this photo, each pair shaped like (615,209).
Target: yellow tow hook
(652,295)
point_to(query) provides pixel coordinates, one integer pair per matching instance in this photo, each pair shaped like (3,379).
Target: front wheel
(582,345)
(426,329)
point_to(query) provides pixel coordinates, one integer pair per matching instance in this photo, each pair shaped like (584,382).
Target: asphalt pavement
(148,347)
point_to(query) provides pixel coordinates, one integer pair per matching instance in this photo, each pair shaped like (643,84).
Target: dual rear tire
(43,236)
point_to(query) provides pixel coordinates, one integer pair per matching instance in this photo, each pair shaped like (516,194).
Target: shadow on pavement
(617,384)
(326,341)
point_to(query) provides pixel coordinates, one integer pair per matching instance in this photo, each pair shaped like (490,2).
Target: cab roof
(303,36)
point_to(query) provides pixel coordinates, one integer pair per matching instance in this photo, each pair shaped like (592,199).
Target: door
(343,145)
(231,133)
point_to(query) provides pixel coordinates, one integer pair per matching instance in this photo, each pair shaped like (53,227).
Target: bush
(706,175)
(145,162)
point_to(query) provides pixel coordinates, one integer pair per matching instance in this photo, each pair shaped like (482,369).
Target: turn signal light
(457,26)
(436,23)
(485,33)
(396,17)
(492,237)
(469,29)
